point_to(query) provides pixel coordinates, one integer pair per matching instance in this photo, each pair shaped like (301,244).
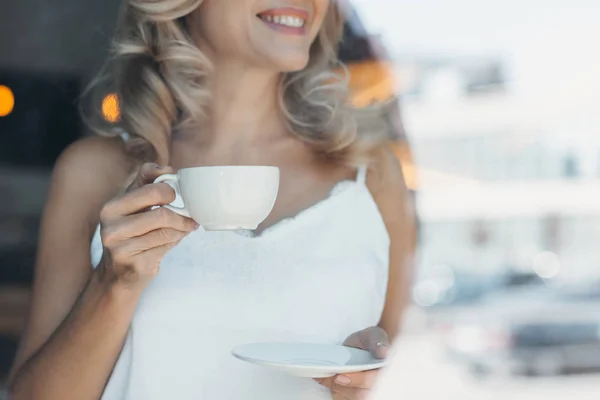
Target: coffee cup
(224,197)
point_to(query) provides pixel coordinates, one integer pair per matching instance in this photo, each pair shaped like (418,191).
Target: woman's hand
(356,386)
(135,238)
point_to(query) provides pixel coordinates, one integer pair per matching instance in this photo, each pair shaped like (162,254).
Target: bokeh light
(426,293)
(7,101)
(110,108)
(371,82)
(546,264)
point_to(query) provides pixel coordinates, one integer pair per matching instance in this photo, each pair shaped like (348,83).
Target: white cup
(225,198)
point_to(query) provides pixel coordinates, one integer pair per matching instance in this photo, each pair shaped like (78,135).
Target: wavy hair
(160,78)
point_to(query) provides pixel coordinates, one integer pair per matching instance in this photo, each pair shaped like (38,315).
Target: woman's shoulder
(94,160)
(385,173)
(96,149)
(88,173)
(385,180)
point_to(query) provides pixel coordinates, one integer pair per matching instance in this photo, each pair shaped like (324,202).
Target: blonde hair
(160,78)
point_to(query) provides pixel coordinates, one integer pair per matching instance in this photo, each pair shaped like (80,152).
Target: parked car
(444,287)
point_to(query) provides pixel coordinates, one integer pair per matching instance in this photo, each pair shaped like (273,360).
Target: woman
(216,82)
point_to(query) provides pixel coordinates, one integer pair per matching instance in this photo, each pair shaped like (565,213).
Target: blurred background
(492,109)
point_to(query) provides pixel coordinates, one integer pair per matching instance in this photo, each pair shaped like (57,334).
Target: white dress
(317,277)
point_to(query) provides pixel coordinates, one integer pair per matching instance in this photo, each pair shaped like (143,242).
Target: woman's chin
(291,64)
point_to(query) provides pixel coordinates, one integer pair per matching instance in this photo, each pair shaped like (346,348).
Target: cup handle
(173,181)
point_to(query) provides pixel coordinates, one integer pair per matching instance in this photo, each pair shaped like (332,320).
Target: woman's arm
(79,316)
(86,175)
(386,183)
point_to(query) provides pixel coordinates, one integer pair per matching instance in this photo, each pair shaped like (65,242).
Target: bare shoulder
(88,173)
(102,148)
(385,181)
(93,157)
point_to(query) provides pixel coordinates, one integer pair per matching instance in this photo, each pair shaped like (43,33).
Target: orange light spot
(7,101)
(110,108)
(370,81)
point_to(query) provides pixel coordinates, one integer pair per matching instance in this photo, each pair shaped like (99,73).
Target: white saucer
(308,360)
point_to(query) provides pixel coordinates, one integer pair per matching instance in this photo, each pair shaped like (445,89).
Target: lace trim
(336,190)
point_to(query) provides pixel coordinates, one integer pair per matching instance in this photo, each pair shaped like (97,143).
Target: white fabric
(317,277)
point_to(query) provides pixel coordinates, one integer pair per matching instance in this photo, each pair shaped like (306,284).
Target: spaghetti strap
(124,135)
(361,175)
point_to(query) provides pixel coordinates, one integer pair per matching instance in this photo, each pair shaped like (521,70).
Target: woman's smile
(287,20)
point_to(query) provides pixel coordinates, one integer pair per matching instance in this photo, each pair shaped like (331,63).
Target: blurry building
(498,184)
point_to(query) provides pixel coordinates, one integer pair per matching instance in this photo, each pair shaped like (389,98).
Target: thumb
(376,341)
(148,173)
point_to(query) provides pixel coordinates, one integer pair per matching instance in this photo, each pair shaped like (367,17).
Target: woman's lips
(286,20)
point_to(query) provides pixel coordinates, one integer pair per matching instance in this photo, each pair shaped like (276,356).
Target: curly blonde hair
(160,78)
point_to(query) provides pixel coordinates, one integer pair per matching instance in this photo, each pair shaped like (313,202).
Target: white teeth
(285,20)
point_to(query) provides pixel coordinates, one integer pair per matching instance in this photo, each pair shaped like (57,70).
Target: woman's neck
(244,104)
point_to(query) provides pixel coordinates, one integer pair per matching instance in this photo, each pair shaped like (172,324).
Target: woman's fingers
(149,241)
(135,236)
(356,380)
(148,174)
(155,194)
(374,339)
(356,386)
(134,265)
(141,194)
(350,394)
(136,225)
(344,392)
(362,380)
